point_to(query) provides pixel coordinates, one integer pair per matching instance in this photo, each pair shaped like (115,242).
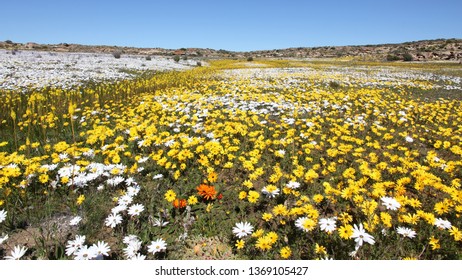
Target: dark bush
(249,58)
(392,57)
(117,54)
(407,57)
(176,58)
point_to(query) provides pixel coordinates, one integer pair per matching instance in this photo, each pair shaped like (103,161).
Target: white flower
(63,156)
(3,239)
(143,159)
(125,200)
(390,203)
(138,257)
(406,232)
(74,245)
(293,185)
(242,229)
(113,219)
(158,176)
(281,152)
(328,225)
(409,139)
(85,253)
(118,209)
(135,210)
(442,224)
(157,246)
(75,221)
(101,248)
(130,238)
(2,215)
(270,192)
(159,223)
(305,224)
(133,191)
(360,236)
(16,253)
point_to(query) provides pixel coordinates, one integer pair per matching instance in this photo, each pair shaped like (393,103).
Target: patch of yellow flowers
(320,152)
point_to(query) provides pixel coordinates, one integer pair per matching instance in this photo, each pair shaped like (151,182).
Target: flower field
(268,160)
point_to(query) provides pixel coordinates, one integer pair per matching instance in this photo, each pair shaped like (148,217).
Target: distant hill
(425,50)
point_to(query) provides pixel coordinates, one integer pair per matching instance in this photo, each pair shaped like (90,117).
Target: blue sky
(232,25)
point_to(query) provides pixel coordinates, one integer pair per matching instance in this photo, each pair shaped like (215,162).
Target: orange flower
(179,203)
(207,192)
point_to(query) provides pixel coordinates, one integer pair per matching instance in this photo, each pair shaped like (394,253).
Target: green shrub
(407,57)
(392,57)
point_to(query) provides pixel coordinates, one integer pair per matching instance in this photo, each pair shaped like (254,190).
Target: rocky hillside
(425,50)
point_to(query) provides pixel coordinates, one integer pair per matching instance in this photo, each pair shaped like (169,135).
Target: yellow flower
(318,198)
(280,210)
(192,200)
(434,243)
(267,217)
(285,252)
(253,196)
(258,233)
(386,219)
(455,232)
(345,231)
(80,199)
(272,236)
(240,244)
(170,195)
(345,218)
(242,195)
(43,178)
(263,243)
(212,177)
(318,249)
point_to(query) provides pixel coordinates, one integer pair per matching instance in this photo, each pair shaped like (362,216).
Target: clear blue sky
(236,25)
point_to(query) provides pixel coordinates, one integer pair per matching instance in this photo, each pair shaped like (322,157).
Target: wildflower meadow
(262,159)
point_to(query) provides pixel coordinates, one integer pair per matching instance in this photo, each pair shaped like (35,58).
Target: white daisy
(158,176)
(135,210)
(157,246)
(406,232)
(75,221)
(328,225)
(242,229)
(3,239)
(2,215)
(293,185)
(390,203)
(360,236)
(159,222)
(16,253)
(138,257)
(130,238)
(85,253)
(118,209)
(305,224)
(113,219)
(270,191)
(101,248)
(442,224)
